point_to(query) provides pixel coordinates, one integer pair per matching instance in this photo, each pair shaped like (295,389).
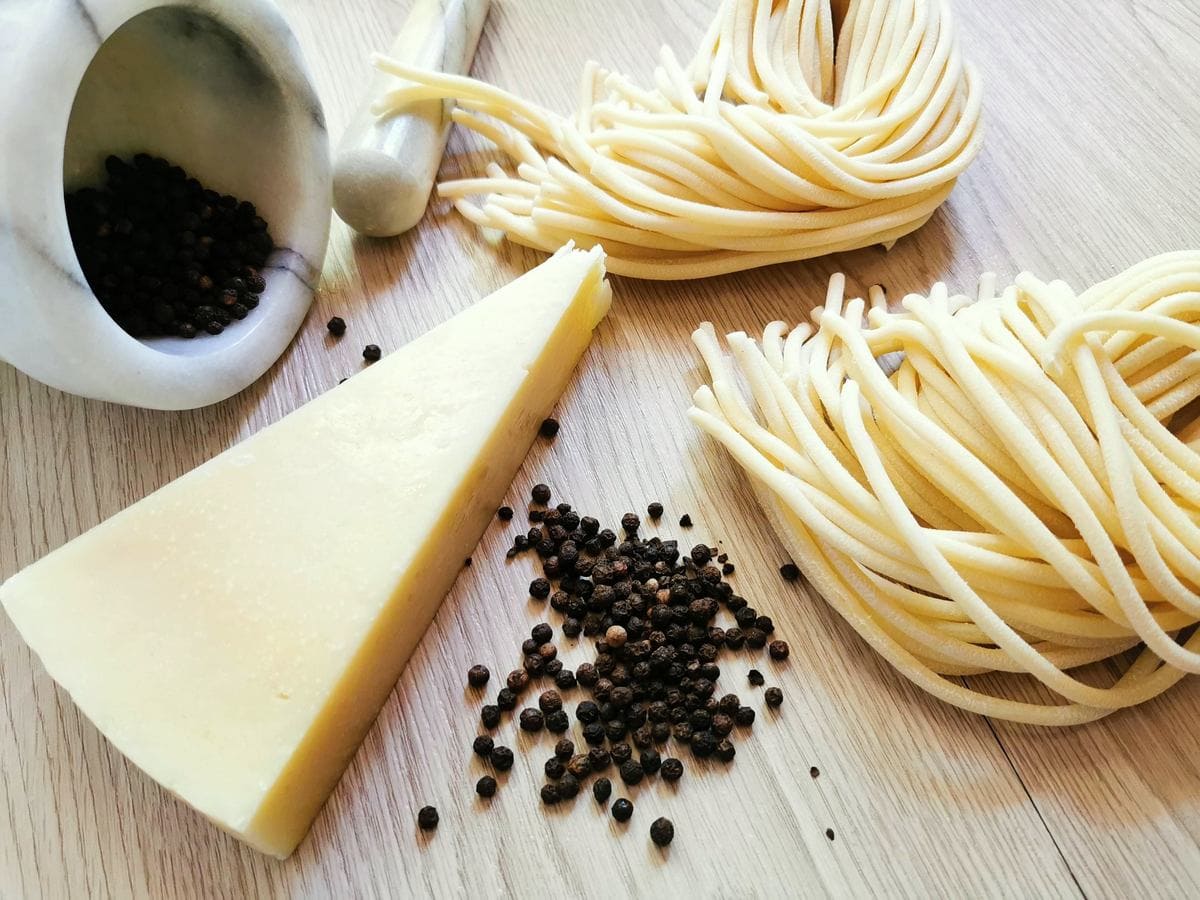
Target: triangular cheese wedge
(236,632)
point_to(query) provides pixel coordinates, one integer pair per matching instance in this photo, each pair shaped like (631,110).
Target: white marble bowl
(216,86)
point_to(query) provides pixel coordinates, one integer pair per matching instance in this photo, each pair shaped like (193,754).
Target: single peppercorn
(616,636)
(579,765)
(477,676)
(651,761)
(541,633)
(672,769)
(587,712)
(756,678)
(773,696)
(593,733)
(602,790)
(372,353)
(725,751)
(568,787)
(662,832)
(336,326)
(600,759)
(779,650)
(501,759)
(655,510)
(721,724)
(506,698)
(540,494)
(550,794)
(517,681)
(557,722)
(427,818)
(631,771)
(621,753)
(744,716)
(555,768)
(685,521)
(622,810)
(482,745)
(630,523)
(548,428)
(550,701)
(564,749)
(533,665)
(486,786)
(704,743)
(539,588)
(489,715)
(548,652)
(531,719)
(505,513)
(789,571)
(565,680)
(727,568)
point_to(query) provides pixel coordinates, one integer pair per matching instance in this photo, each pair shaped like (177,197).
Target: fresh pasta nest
(998,485)
(778,142)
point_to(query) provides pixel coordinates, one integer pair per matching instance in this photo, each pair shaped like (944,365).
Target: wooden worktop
(1090,163)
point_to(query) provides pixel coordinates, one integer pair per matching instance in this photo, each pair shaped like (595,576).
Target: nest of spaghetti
(800,128)
(1000,483)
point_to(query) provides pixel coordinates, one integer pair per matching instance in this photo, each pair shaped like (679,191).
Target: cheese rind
(235,633)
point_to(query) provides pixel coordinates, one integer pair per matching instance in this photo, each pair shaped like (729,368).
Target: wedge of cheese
(236,632)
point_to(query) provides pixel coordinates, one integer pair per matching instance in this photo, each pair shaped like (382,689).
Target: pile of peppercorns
(165,256)
(654,676)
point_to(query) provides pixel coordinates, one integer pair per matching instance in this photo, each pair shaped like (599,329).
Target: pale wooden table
(1090,164)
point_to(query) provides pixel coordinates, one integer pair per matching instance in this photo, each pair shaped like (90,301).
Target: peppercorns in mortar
(164,255)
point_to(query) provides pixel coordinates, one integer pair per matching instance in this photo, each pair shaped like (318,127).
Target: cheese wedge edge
(235,633)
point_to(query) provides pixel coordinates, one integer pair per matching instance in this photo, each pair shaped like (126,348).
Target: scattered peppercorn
(505,513)
(555,768)
(631,771)
(725,751)
(744,716)
(336,326)
(506,699)
(541,633)
(579,765)
(549,428)
(531,719)
(814,772)
(427,818)
(779,650)
(550,794)
(489,715)
(773,696)
(486,786)
(540,494)
(622,810)
(477,676)
(518,680)
(829,833)
(483,745)
(568,787)
(672,769)
(564,749)
(557,722)
(372,353)
(651,761)
(685,521)
(789,571)
(727,568)
(662,832)
(756,678)
(602,790)
(539,588)
(501,759)
(599,758)
(565,680)
(621,753)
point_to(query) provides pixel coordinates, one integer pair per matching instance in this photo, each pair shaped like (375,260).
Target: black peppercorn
(564,749)
(555,768)
(672,769)
(336,326)
(756,678)
(489,715)
(568,787)
(655,510)
(505,513)
(593,733)
(483,745)
(630,523)
(685,521)
(662,832)
(541,633)
(631,771)
(533,665)
(557,722)
(744,716)
(615,729)
(602,790)
(622,810)
(779,650)
(547,652)
(529,645)
(727,568)
(372,353)
(565,680)
(600,759)
(735,638)
(725,751)
(704,743)
(477,676)
(427,818)
(660,732)
(518,680)
(550,794)
(773,696)
(501,759)
(486,786)
(729,704)
(539,588)
(548,428)
(531,719)
(621,753)
(722,724)
(651,761)
(701,554)
(587,712)
(579,765)
(553,668)
(506,699)
(550,701)
(682,733)
(540,494)
(789,571)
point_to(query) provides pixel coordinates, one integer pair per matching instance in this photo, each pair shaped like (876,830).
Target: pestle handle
(385,168)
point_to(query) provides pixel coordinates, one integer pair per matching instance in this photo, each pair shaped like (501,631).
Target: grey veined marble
(216,86)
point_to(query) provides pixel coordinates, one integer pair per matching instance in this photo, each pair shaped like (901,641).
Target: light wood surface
(1090,164)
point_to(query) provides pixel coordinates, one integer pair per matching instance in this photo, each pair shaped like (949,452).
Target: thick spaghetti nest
(777,143)
(1012,493)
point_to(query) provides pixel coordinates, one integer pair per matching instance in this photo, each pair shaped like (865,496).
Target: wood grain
(1089,165)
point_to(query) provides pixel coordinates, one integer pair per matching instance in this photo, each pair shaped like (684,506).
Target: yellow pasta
(776,143)
(983,484)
